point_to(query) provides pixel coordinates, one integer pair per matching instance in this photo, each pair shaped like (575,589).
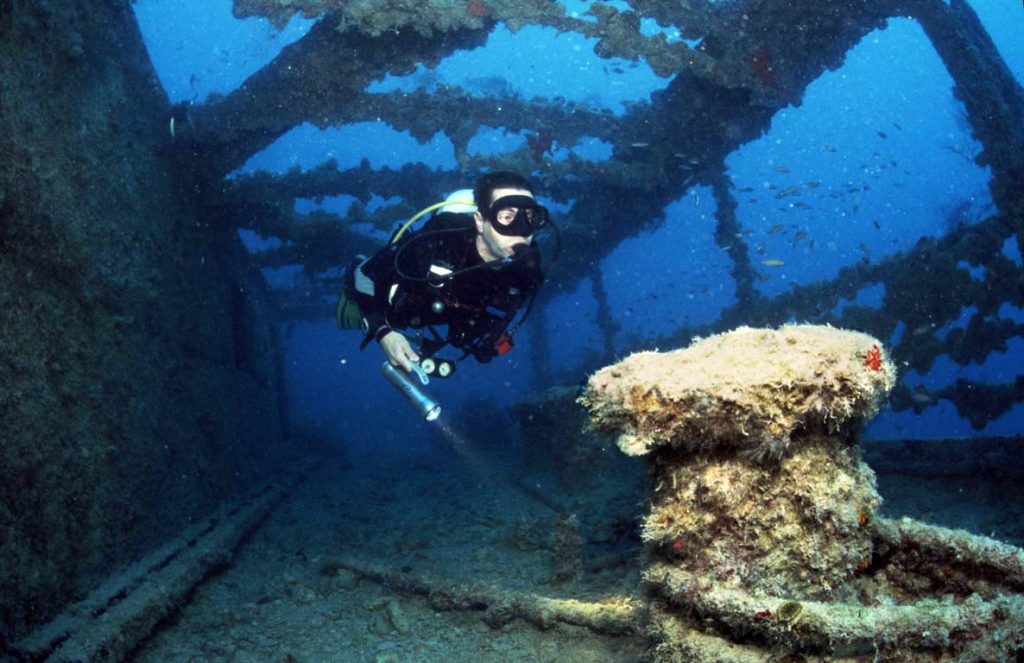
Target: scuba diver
(470,269)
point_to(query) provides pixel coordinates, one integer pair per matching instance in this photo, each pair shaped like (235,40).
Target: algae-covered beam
(984,565)
(993,98)
(764,55)
(310,80)
(280,221)
(977,556)
(761,59)
(605,320)
(265,219)
(926,288)
(306,302)
(775,48)
(414,182)
(739,63)
(317,252)
(600,221)
(919,629)
(612,616)
(693,18)
(540,349)
(678,640)
(703,115)
(978,402)
(425,17)
(729,238)
(617,32)
(546,124)
(736,30)
(663,148)
(111,622)
(318,241)
(461,115)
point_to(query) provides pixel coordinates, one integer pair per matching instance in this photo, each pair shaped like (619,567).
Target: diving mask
(516,216)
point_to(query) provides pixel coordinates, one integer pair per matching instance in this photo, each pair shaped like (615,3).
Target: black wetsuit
(476,306)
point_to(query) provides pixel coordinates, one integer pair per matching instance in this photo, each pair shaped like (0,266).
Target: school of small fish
(790,194)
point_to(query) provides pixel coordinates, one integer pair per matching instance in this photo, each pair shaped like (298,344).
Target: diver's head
(488,183)
(507,214)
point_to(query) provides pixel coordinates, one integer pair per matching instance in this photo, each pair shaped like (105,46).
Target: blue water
(882,136)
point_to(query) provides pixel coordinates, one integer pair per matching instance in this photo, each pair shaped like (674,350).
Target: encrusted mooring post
(763,533)
(757,477)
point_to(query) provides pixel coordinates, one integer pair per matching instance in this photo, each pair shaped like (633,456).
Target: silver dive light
(424,404)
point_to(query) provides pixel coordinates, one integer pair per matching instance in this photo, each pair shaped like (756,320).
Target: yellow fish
(772,262)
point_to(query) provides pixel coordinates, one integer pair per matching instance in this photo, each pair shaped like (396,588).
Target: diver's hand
(398,350)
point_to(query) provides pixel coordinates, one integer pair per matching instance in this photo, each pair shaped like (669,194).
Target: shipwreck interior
(157,480)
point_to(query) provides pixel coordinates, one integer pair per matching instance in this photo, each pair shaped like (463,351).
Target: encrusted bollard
(763,533)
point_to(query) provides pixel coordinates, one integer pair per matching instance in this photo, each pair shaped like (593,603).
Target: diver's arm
(389,307)
(374,313)
(378,307)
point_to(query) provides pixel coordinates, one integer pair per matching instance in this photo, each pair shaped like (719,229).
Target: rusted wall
(139,378)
